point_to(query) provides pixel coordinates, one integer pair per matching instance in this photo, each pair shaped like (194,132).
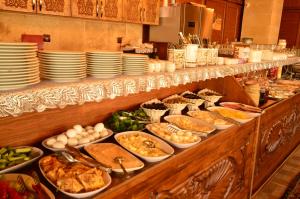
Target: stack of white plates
(19,66)
(104,64)
(135,64)
(62,66)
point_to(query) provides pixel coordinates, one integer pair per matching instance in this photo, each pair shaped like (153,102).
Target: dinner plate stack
(19,66)
(104,64)
(62,66)
(135,64)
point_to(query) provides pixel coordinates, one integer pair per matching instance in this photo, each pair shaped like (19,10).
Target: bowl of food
(210,118)
(13,158)
(175,103)
(77,137)
(210,95)
(154,109)
(239,116)
(75,180)
(144,145)
(194,100)
(180,139)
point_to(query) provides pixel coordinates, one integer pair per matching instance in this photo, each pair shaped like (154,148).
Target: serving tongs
(74,155)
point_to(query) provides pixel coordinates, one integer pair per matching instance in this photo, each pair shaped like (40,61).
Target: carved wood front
(18,5)
(278,135)
(54,5)
(151,12)
(132,9)
(111,8)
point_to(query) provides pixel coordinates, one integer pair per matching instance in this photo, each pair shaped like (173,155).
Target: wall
(68,33)
(261,20)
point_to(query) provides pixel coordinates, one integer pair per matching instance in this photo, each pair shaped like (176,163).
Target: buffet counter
(226,164)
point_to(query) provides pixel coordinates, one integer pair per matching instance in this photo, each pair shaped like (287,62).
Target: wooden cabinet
(19,5)
(151,12)
(133,10)
(54,7)
(111,10)
(227,19)
(232,23)
(141,11)
(85,8)
(279,134)
(51,7)
(290,24)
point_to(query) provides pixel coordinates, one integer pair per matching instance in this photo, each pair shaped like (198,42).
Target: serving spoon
(150,144)
(119,160)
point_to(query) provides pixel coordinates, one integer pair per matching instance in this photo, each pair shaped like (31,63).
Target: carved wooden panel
(54,7)
(132,10)
(86,8)
(219,168)
(151,12)
(111,10)
(18,5)
(278,135)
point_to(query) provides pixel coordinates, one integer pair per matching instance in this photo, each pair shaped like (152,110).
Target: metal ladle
(151,144)
(119,160)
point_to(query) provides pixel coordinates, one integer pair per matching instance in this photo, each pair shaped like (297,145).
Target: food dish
(11,180)
(23,159)
(175,103)
(189,123)
(210,118)
(194,100)
(209,95)
(239,116)
(75,180)
(239,106)
(107,152)
(154,109)
(179,139)
(134,141)
(77,137)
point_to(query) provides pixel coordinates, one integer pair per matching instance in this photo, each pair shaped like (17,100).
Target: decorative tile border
(48,95)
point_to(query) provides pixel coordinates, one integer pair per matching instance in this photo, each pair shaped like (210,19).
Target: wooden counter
(222,166)
(219,167)
(279,134)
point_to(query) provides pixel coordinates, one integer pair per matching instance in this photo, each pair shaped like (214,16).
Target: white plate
(18,86)
(63,62)
(61,52)
(17,44)
(8,56)
(53,58)
(13,60)
(106,151)
(10,81)
(17,51)
(2,64)
(194,120)
(38,153)
(18,47)
(163,145)
(178,145)
(106,178)
(106,76)
(218,126)
(104,52)
(110,133)
(21,75)
(19,70)
(250,116)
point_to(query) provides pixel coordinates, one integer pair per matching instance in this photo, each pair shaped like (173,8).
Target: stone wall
(261,20)
(68,33)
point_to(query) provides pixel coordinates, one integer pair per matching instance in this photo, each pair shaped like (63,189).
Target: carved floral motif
(85,7)
(111,8)
(215,182)
(16,3)
(151,10)
(133,10)
(277,135)
(55,5)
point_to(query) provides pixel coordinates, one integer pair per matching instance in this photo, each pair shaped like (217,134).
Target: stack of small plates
(62,66)
(19,66)
(104,64)
(135,64)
